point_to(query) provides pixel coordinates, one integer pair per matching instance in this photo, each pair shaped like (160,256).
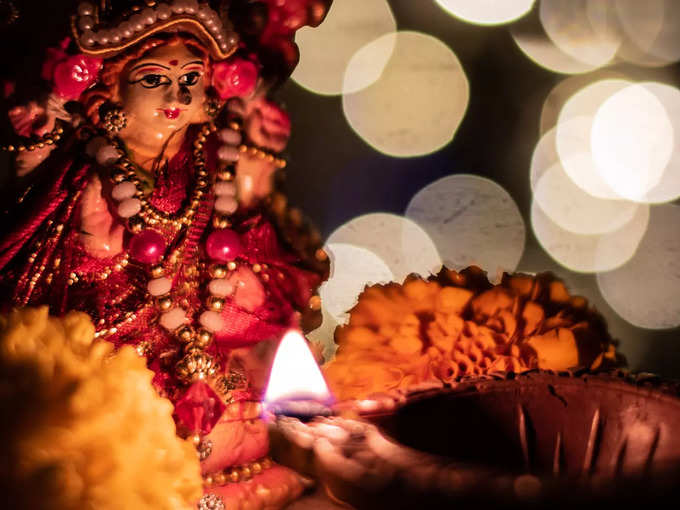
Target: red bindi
(173,62)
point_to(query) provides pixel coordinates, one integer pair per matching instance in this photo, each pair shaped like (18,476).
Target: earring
(212,108)
(114,120)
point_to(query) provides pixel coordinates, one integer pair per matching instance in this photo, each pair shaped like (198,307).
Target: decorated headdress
(104,28)
(261,32)
(115,25)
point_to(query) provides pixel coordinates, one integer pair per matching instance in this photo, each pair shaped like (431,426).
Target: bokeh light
(577,32)
(575,159)
(352,268)
(543,157)
(324,334)
(578,36)
(418,102)
(573,146)
(589,253)
(566,89)
(487,12)
(586,101)
(632,141)
(652,30)
(668,186)
(640,126)
(325,51)
(573,135)
(399,242)
(574,210)
(472,220)
(564,200)
(530,37)
(646,291)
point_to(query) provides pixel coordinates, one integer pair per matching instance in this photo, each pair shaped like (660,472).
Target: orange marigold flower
(458,324)
(83,425)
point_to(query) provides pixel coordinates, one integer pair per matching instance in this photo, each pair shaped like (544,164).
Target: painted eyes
(151,81)
(189,78)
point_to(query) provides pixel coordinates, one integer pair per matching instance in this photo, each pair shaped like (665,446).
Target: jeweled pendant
(199,408)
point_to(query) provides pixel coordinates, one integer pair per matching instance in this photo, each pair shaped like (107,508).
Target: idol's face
(163,92)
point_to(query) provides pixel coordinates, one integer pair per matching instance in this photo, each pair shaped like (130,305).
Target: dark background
(334,176)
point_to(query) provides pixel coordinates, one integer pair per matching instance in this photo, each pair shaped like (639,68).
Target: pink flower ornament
(75,74)
(70,75)
(234,78)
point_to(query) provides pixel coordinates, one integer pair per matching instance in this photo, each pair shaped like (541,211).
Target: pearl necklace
(147,247)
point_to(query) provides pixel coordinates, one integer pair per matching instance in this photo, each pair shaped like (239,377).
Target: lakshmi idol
(147,202)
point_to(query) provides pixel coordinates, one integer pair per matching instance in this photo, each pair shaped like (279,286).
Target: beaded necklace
(147,247)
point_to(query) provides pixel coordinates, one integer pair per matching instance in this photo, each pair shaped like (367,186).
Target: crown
(104,30)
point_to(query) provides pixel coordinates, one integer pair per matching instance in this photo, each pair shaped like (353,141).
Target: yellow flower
(83,427)
(458,324)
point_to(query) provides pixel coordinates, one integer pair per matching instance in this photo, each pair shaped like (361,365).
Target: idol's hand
(265,126)
(34,119)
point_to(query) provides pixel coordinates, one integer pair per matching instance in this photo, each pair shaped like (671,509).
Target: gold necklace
(130,190)
(136,201)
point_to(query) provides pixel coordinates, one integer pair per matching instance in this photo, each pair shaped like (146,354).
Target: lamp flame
(295,375)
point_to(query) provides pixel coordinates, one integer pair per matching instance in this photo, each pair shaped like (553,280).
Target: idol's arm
(266,130)
(100,234)
(36,120)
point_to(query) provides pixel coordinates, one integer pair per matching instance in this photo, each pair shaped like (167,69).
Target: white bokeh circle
(324,335)
(531,39)
(565,90)
(668,186)
(572,139)
(472,221)
(401,243)
(646,290)
(352,269)
(589,253)
(652,30)
(574,29)
(576,211)
(418,102)
(632,141)
(487,12)
(575,158)
(586,101)
(325,51)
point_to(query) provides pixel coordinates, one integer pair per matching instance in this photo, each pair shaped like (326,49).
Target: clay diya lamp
(540,439)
